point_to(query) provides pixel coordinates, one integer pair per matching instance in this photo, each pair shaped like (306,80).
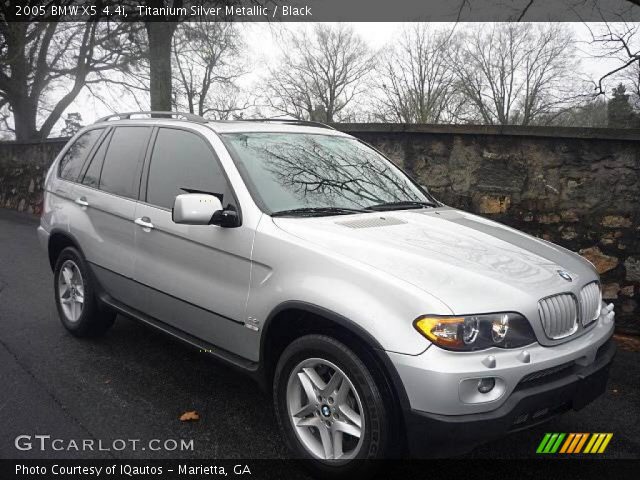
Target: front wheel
(329,406)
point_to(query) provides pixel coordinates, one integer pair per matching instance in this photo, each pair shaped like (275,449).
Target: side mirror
(195,208)
(226,218)
(203,209)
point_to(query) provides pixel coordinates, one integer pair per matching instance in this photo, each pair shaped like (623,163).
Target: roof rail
(192,117)
(292,121)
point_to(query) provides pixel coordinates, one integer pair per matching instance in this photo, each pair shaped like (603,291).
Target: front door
(196,277)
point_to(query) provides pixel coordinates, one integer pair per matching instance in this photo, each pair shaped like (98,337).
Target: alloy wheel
(71,290)
(325,410)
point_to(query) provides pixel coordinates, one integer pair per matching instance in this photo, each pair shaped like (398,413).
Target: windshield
(289,172)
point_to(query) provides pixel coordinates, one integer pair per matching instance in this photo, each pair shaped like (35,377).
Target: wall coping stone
(505,130)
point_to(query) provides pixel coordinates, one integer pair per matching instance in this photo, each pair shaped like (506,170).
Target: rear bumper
(530,403)
(43,238)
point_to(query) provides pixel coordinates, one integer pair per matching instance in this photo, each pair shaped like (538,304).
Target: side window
(125,150)
(71,164)
(91,177)
(183,161)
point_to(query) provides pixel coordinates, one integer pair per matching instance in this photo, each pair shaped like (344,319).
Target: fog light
(485,385)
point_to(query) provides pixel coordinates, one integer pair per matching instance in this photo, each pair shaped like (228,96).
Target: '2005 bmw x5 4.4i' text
(380,318)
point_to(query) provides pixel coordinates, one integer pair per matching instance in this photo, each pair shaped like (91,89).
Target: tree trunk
(23,108)
(160,34)
(24,119)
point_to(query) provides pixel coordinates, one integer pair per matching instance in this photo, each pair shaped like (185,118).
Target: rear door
(107,195)
(68,172)
(196,277)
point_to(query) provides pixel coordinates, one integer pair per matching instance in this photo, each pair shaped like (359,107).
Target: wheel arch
(59,240)
(293,319)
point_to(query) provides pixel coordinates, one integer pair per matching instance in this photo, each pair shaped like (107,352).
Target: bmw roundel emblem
(565,275)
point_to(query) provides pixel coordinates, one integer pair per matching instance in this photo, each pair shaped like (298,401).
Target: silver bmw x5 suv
(382,320)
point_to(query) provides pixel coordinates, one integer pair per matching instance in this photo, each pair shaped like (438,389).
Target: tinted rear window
(71,164)
(120,167)
(92,174)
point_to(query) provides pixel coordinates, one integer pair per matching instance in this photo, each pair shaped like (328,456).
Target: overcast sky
(262,44)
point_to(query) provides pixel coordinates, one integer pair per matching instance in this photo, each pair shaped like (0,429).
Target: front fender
(286,268)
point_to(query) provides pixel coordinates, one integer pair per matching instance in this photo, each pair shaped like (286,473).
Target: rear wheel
(329,407)
(75,294)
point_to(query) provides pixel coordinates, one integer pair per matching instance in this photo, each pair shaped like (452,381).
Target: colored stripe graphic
(583,439)
(573,443)
(598,443)
(576,439)
(592,440)
(550,443)
(555,447)
(547,448)
(567,442)
(607,439)
(543,443)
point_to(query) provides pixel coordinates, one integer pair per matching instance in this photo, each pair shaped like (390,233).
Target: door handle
(82,201)
(144,222)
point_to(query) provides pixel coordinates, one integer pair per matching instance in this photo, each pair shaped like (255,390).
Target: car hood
(460,258)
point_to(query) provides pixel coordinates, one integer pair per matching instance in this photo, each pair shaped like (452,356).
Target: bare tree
(320,72)
(516,73)
(45,65)
(160,32)
(591,113)
(416,83)
(631,77)
(207,62)
(6,130)
(620,41)
(542,10)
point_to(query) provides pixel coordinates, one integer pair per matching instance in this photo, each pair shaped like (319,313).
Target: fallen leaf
(627,342)
(191,416)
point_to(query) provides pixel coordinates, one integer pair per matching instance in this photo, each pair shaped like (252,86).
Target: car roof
(222,126)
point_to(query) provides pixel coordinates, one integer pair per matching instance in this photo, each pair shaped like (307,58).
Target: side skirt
(247,366)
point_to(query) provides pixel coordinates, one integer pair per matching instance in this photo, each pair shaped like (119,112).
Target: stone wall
(22,170)
(576,187)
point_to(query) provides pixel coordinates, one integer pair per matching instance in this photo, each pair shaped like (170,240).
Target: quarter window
(120,167)
(71,163)
(183,162)
(92,175)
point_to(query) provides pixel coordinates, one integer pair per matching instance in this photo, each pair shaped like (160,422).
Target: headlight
(475,332)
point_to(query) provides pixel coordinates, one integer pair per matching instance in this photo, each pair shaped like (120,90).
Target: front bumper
(445,382)
(532,402)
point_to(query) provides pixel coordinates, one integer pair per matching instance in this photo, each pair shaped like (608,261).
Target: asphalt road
(134,383)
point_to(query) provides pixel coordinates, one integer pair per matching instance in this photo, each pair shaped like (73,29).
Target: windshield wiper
(401,205)
(316,211)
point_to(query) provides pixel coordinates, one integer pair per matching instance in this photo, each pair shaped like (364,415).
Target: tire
(78,307)
(362,401)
